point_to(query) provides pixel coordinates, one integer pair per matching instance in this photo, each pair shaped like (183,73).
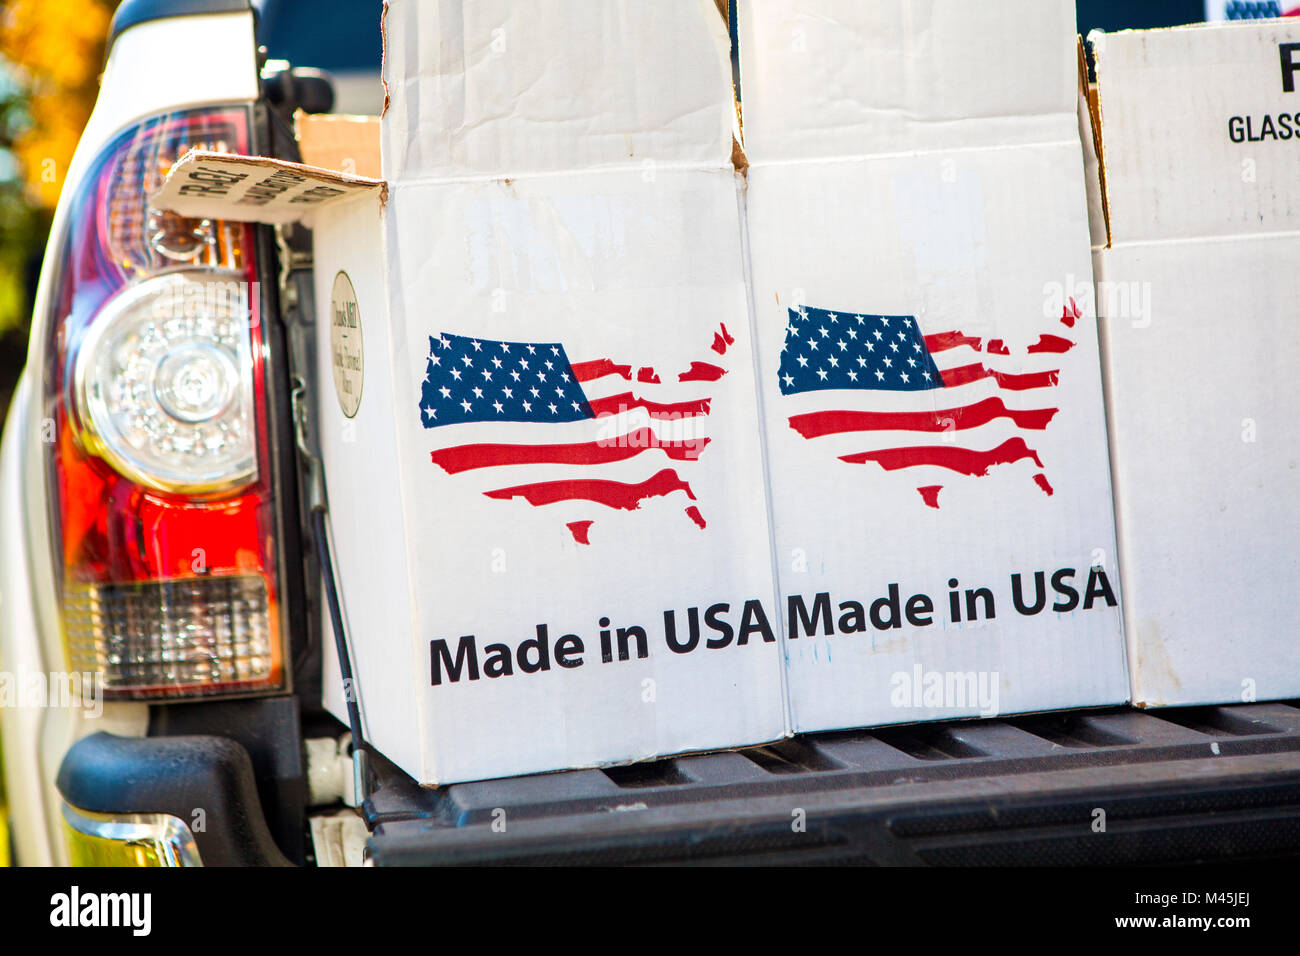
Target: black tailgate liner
(1170,786)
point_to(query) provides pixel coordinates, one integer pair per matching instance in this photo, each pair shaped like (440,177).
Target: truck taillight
(159,464)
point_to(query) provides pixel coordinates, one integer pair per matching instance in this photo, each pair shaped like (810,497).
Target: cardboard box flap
(208,185)
(840,78)
(503,88)
(346,144)
(1200,128)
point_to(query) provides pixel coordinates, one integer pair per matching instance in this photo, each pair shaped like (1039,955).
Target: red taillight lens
(160,468)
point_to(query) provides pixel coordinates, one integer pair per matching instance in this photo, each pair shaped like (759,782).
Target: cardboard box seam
(1271,236)
(742,189)
(724,165)
(1070,143)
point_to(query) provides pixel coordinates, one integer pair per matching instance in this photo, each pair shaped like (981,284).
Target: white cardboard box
(560,174)
(1200,129)
(916,183)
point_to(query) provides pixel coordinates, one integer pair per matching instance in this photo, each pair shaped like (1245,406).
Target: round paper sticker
(347,354)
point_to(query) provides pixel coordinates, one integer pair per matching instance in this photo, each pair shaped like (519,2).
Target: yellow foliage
(56,49)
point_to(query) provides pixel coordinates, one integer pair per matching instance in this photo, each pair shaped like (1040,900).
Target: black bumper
(177,775)
(1107,787)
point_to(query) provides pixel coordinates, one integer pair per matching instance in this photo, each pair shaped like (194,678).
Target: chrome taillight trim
(83,401)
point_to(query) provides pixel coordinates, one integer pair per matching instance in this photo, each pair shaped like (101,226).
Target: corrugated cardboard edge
(738,158)
(383,56)
(1092,97)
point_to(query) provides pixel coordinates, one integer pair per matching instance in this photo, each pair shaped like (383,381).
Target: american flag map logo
(909,397)
(583,420)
